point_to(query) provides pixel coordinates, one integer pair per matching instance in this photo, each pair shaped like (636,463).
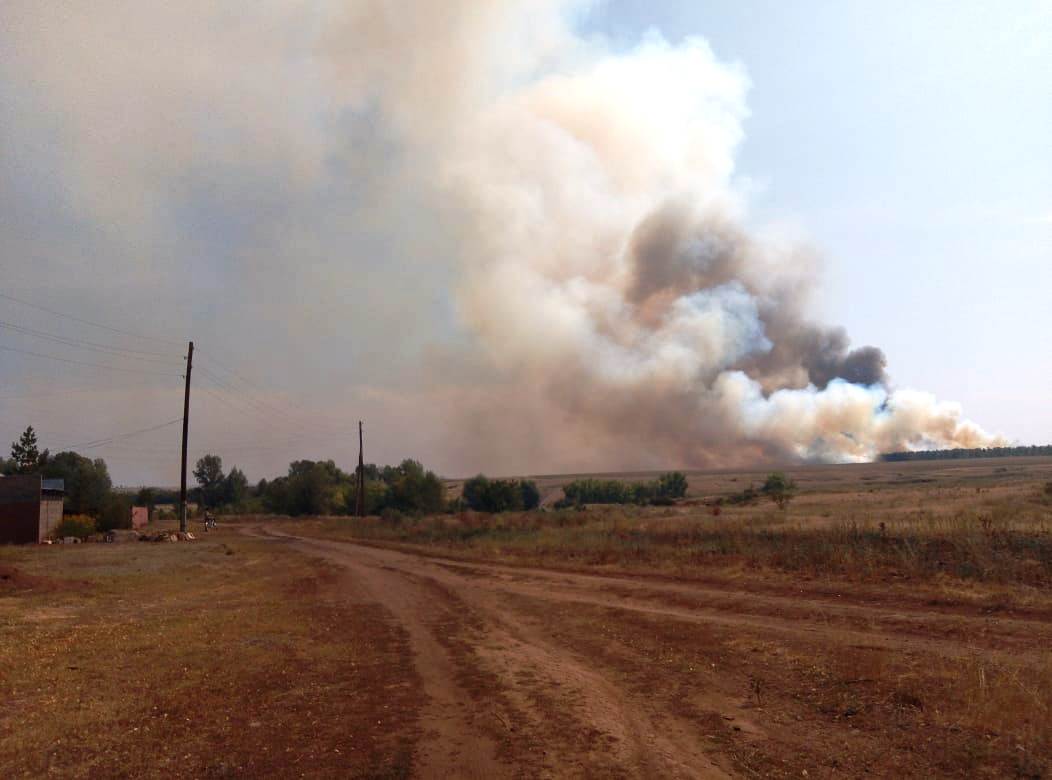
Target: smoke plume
(604,264)
(308,186)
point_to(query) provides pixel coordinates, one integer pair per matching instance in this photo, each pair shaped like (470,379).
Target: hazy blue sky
(190,172)
(912,143)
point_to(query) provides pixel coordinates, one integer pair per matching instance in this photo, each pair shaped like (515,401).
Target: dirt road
(537,673)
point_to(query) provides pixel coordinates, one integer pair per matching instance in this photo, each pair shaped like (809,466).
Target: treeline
(664,489)
(961,454)
(320,487)
(314,487)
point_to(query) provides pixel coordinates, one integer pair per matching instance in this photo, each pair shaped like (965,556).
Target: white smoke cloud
(603,241)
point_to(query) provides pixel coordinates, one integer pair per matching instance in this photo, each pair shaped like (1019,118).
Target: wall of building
(50,516)
(20,509)
(140,516)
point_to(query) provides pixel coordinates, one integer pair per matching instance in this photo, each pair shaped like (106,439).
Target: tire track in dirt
(511,696)
(543,712)
(945,631)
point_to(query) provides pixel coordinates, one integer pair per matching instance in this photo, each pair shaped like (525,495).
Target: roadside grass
(1000,539)
(216,658)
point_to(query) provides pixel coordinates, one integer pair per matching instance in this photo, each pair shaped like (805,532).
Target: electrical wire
(134,354)
(88,322)
(101,442)
(85,363)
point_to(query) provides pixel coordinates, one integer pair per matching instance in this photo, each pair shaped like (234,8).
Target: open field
(610,642)
(219,658)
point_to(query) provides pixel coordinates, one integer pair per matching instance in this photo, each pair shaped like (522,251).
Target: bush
(500,495)
(391,515)
(80,526)
(661,491)
(748,496)
(779,488)
(672,485)
(116,512)
(531,496)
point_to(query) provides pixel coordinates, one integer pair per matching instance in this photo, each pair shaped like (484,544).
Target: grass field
(206,659)
(964,524)
(894,620)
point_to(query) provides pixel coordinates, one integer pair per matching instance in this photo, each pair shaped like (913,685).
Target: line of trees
(320,487)
(314,487)
(978,452)
(664,489)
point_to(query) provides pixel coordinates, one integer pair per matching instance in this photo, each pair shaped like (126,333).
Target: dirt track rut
(510,694)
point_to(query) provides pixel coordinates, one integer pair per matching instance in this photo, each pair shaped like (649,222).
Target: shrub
(500,495)
(779,488)
(80,526)
(661,491)
(531,496)
(672,485)
(116,512)
(391,515)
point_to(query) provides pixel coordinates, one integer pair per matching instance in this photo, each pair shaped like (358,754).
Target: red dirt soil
(529,672)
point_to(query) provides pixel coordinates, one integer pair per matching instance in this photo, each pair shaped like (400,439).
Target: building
(140,516)
(30,508)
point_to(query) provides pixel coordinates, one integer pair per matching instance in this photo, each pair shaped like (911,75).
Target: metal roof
(57,485)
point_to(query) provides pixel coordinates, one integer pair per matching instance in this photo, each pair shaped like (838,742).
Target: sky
(356,212)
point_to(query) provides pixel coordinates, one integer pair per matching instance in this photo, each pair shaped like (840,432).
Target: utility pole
(359,508)
(184,525)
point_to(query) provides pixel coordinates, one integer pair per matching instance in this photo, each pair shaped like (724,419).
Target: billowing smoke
(316,181)
(605,263)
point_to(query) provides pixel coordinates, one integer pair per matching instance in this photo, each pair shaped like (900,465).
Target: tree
(28,459)
(779,488)
(235,487)
(416,490)
(209,475)
(531,496)
(672,485)
(311,487)
(116,512)
(87,482)
(146,497)
(500,495)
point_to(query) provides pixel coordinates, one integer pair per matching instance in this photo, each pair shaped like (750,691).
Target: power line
(246,404)
(75,391)
(85,363)
(266,408)
(256,414)
(134,354)
(88,322)
(101,442)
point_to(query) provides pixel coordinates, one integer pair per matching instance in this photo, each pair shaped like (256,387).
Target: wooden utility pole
(359,504)
(183,521)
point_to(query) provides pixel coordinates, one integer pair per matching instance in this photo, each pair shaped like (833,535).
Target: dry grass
(195,660)
(997,536)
